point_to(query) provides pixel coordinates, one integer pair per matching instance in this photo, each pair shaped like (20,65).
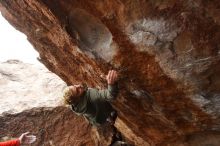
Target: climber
(92,103)
(23,139)
(95,105)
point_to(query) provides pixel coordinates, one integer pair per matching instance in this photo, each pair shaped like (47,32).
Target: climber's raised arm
(111,92)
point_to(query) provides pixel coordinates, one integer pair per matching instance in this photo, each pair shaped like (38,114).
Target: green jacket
(94,104)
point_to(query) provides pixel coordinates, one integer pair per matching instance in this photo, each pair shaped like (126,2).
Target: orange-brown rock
(167,52)
(52,126)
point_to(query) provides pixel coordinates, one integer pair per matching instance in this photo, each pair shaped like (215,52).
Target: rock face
(30,101)
(167,53)
(52,126)
(24,86)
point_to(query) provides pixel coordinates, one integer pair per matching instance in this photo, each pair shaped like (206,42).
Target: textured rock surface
(30,101)
(52,126)
(166,51)
(24,86)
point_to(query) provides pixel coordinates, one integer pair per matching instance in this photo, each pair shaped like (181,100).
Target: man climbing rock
(94,104)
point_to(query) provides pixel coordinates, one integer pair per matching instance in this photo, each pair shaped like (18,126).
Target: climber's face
(77,91)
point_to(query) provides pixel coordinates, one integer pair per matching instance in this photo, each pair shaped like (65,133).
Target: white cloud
(14,44)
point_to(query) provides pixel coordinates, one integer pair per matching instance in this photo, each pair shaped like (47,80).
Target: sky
(14,44)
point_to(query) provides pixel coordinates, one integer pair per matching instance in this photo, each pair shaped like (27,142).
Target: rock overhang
(176,62)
